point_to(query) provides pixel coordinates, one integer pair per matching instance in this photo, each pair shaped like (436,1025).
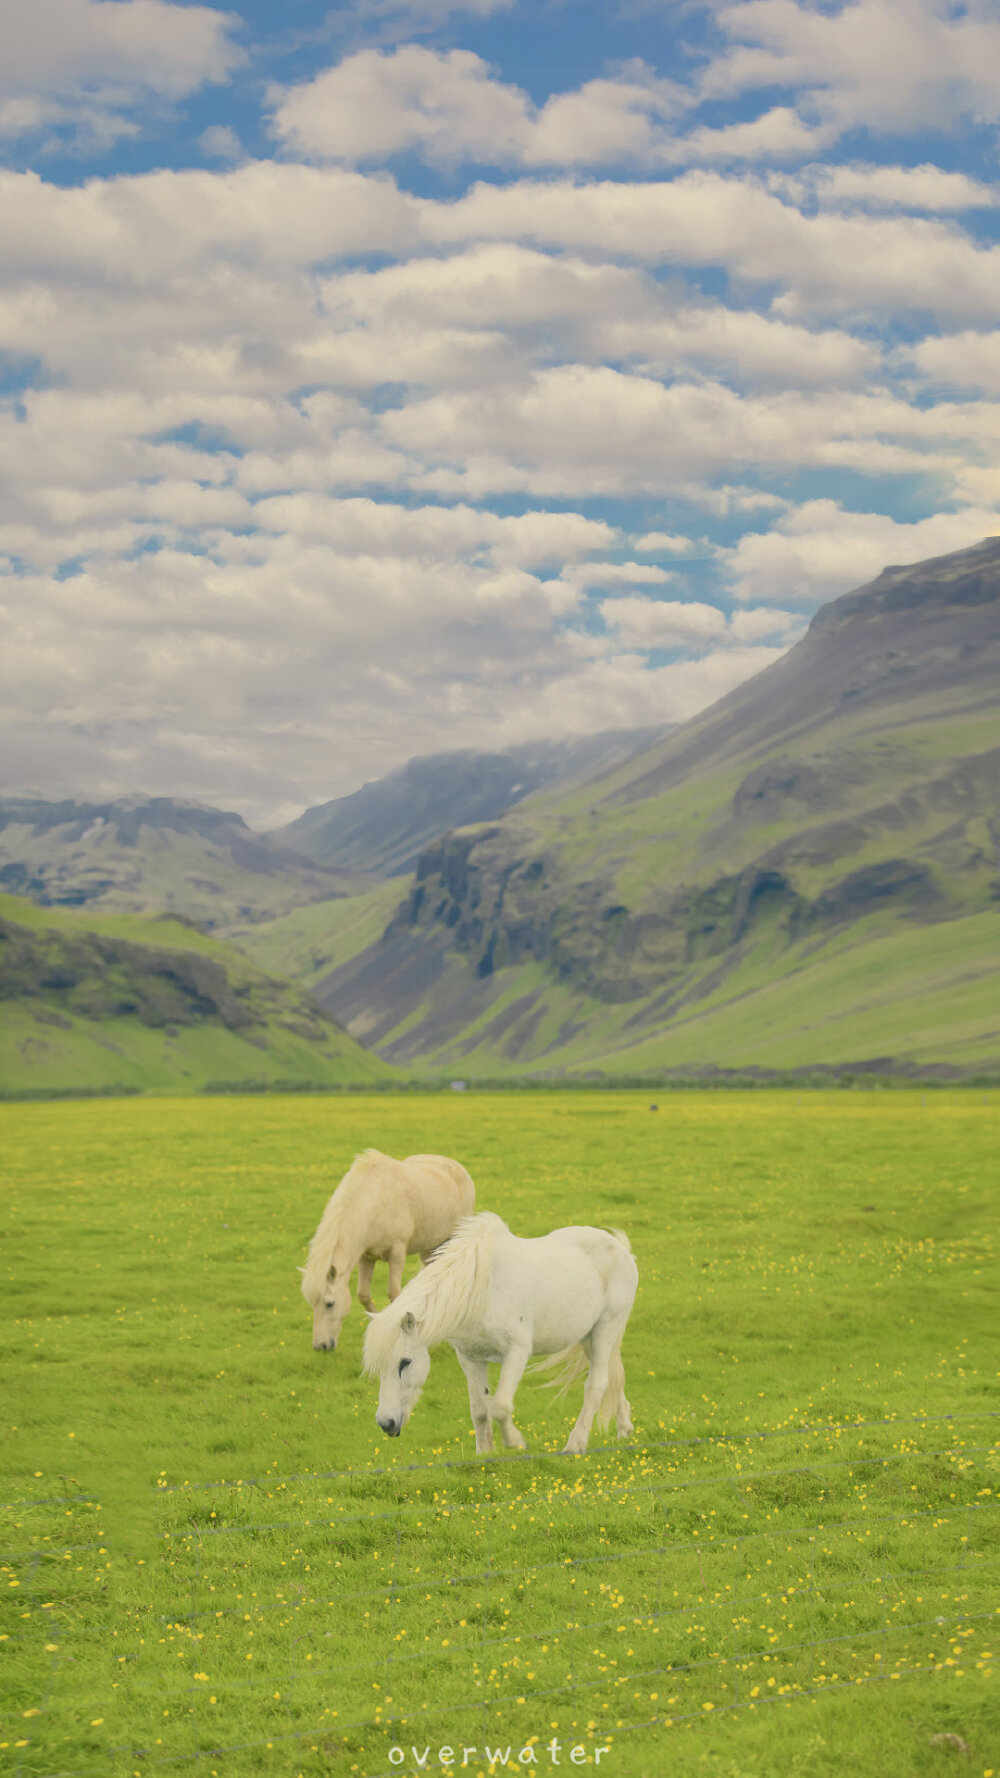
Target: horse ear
(300,1269)
(332,1273)
(408,1324)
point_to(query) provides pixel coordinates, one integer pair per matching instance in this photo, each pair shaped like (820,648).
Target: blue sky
(407,376)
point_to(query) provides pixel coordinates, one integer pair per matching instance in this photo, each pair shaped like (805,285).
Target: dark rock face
(385,826)
(93,976)
(99,977)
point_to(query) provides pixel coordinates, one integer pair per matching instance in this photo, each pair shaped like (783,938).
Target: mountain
(145,854)
(383,827)
(805,873)
(93,1002)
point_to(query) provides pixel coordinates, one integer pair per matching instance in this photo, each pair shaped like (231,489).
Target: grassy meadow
(214,1562)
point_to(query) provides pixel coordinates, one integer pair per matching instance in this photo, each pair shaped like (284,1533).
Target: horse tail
(622,1239)
(572,1362)
(569,1364)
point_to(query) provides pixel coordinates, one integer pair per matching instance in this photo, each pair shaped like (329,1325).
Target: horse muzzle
(391,1428)
(324,1345)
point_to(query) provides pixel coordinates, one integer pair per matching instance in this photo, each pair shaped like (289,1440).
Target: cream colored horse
(382,1209)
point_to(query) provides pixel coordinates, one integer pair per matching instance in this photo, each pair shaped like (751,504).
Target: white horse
(498,1300)
(382,1209)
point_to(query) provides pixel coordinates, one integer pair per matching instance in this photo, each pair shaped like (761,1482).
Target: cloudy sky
(417,375)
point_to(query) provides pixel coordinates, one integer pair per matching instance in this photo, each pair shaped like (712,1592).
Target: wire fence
(459,1507)
(321,1734)
(720,1710)
(598,1626)
(474,1462)
(382,1724)
(826,1526)
(194,1539)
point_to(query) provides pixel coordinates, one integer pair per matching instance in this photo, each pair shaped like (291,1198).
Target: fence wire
(600,1625)
(395,1591)
(383,1724)
(511,1457)
(720,1541)
(451,1509)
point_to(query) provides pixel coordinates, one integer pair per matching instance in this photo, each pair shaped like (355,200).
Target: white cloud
(619,574)
(135,231)
(863,186)
(958,361)
(275,217)
(446,107)
(890,66)
(750,347)
(379,528)
(492,284)
(662,623)
(623,692)
(409,17)
(897,66)
(661,543)
(616,122)
(778,135)
(665,623)
(263,665)
(819,265)
(398,315)
(220,142)
(762,621)
(818,550)
(577,430)
(288,584)
(83,69)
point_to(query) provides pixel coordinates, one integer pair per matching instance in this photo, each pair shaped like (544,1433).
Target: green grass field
(214,1563)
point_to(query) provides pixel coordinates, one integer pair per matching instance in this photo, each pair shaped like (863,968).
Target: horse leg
(623,1412)
(477,1376)
(397,1260)
(602,1355)
(502,1406)
(366,1266)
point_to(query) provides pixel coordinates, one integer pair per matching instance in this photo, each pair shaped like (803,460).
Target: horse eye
(403,1364)
(329,1305)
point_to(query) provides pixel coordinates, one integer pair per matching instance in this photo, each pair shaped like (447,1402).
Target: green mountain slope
(807,872)
(146,854)
(307,944)
(91,1001)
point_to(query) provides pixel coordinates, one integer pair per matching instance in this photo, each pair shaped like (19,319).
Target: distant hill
(90,1002)
(383,827)
(146,854)
(807,872)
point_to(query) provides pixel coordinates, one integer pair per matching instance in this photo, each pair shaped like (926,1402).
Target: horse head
(402,1373)
(330,1309)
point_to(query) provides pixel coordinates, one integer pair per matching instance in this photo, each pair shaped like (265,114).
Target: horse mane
(338,1209)
(451,1291)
